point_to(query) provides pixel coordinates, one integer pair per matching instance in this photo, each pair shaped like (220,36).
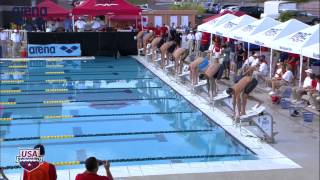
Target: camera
(100,162)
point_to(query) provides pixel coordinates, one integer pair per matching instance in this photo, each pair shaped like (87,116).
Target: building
(178,17)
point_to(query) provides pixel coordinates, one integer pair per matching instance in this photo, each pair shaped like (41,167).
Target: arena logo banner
(29,159)
(54,50)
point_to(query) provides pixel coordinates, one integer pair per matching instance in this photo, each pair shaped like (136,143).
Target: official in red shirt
(45,171)
(92,166)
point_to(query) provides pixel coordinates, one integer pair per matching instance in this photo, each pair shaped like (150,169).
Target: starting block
(185,73)
(221,96)
(157,60)
(169,66)
(201,83)
(255,111)
(264,121)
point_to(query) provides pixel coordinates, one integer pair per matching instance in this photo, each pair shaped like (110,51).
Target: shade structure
(53,9)
(312,51)
(294,42)
(106,7)
(246,31)
(267,36)
(210,25)
(225,28)
(236,13)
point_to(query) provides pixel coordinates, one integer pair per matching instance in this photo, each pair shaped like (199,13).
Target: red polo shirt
(91,176)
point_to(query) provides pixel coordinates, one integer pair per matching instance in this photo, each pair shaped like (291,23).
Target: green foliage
(138,2)
(189,6)
(285,16)
(297,1)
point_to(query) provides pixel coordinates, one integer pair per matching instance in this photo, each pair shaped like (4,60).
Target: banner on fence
(54,50)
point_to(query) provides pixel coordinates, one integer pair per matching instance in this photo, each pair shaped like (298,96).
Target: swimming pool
(111,109)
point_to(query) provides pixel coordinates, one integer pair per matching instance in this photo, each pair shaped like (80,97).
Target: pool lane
(103,108)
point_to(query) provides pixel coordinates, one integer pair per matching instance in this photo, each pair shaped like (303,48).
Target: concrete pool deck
(297,141)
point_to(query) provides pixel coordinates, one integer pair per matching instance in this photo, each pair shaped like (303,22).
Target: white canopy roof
(294,42)
(225,28)
(246,31)
(206,27)
(312,51)
(267,36)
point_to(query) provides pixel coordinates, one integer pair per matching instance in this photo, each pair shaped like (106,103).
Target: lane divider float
(18,66)
(54,72)
(8,103)
(10,91)
(15,73)
(55,66)
(56,90)
(56,81)
(57,117)
(11,81)
(56,102)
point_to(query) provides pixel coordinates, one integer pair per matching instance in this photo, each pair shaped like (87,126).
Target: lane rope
(70,136)
(101,115)
(206,156)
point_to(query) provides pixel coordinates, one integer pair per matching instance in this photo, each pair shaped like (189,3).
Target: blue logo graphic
(69,50)
(54,50)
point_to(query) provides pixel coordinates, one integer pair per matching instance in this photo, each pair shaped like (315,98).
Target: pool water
(111,109)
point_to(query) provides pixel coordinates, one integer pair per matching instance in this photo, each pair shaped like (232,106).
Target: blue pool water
(113,109)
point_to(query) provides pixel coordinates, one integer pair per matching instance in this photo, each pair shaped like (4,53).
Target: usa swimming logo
(29,159)
(105,3)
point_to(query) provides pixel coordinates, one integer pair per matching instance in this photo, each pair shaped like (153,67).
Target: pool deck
(294,156)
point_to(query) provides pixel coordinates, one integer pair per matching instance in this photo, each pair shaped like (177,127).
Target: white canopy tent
(248,30)
(225,28)
(218,21)
(312,51)
(266,37)
(295,42)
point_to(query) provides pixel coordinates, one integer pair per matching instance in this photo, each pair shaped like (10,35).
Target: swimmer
(164,49)
(146,40)
(179,56)
(198,65)
(154,47)
(214,72)
(243,87)
(140,39)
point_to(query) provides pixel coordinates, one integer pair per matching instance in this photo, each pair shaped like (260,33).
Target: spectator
(92,167)
(80,24)
(285,80)
(240,57)
(314,94)
(3,43)
(250,59)
(262,72)
(198,37)
(225,51)
(45,171)
(16,43)
(298,92)
(67,24)
(190,40)
(4,177)
(95,25)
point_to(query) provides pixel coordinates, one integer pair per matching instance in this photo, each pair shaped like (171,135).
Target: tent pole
(73,23)
(260,51)
(136,22)
(271,63)
(141,22)
(211,35)
(301,63)
(248,50)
